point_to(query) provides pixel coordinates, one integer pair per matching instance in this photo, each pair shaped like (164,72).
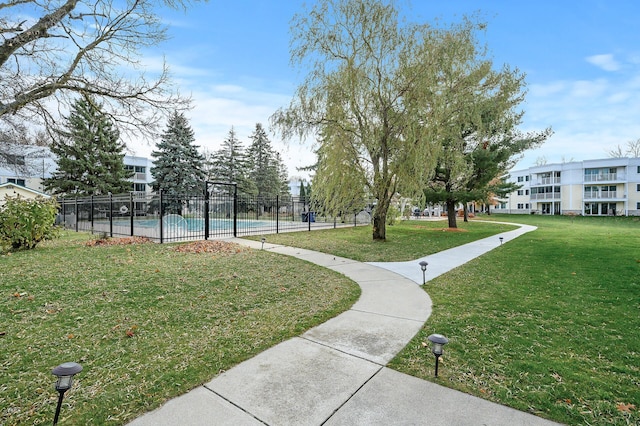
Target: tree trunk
(379,225)
(466,213)
(451,213)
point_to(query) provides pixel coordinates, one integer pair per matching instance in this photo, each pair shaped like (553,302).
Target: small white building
(13,190)
(605,187)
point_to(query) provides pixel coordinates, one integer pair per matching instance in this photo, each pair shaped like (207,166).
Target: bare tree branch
(76,47)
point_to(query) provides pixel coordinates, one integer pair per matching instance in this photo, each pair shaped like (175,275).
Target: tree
(74,47)
(368,73)
(178,165)
(266,169)
(631,150)
(89,152)
(477,121)
(230,164)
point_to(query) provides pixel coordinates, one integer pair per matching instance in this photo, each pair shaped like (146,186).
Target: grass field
(145,321)
(406,241)
(548,323)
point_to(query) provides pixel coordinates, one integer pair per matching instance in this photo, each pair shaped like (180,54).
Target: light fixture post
(423,265)
(501,238)
(437,343)
(263,240)
(65,373)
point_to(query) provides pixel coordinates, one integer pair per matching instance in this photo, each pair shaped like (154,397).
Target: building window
(526,192)
(526,206)
(638,169)
(139,187)
(520,206)
(20,182)
(520,178)
(526,178)
(519,191)
(15,160)
(638,206)
(638,187)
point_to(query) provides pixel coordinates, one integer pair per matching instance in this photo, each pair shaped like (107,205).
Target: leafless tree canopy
(632,149)
(53,50)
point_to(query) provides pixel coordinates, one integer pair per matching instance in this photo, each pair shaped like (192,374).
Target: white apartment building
(604,187)
(27,166)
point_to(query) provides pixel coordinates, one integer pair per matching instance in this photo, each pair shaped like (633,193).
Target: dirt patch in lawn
(218,247)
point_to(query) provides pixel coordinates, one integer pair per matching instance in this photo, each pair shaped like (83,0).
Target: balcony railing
(546,196)
(603,177)
(547,181)
(604,195)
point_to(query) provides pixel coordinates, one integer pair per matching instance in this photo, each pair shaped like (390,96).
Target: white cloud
(589,117)
(606,62)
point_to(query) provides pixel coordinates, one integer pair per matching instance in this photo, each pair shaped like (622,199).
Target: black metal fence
(164,218)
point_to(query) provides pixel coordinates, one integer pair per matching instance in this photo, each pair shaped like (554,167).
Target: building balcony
(606,195)
(546,196)
(546,181)
(605,177)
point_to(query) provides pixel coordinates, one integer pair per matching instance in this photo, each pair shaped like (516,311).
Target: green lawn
(405,241)
(548,323)
(146,322)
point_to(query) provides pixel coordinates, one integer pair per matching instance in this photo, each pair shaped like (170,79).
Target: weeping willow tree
(366,75)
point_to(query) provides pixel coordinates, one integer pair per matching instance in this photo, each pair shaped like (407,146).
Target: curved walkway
(335,374)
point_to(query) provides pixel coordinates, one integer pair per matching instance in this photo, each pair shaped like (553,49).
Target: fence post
(277,213)
(131,211)
(161,214)
(76,212)
(91,213)
(206,210)
(355,219)
(110,215)
(235,210)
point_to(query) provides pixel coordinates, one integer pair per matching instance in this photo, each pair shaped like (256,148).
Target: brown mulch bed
(211,246)
(117,241)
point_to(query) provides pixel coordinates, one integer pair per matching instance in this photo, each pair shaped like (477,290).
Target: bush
(392,215)
(26,222)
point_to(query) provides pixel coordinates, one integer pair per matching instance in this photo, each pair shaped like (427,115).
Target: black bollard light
(263,240)
(500,240)
(65,373)
(423,265)
(437,342)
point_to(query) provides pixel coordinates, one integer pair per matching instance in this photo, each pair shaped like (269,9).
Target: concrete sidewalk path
(335,374)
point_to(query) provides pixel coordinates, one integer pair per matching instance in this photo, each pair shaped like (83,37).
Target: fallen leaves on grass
(625,408)
(218,247)
(451,230)
(117,241)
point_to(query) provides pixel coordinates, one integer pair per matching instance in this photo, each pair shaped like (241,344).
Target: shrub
(26,222)
(392,215)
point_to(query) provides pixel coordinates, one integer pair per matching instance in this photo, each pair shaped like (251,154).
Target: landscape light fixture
(423,265)
(65,373)
(500,240)
(437,342)
(263,240)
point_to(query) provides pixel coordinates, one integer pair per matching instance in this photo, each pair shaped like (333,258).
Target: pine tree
(178,166)
(266,166)
(90,154)
(230,164)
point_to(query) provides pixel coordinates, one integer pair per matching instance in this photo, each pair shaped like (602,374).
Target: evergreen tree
(178,166)
(90,154)
(266,168)
(230,164)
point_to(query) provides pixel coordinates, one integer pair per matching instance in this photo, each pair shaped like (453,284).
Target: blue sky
(581,58)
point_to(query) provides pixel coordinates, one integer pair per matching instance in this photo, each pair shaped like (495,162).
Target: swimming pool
(192,224)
